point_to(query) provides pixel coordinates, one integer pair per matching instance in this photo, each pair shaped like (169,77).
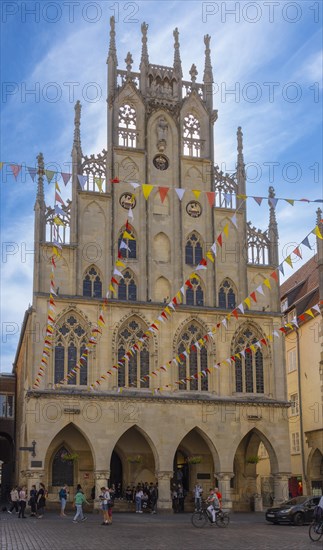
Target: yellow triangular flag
(111,287)
(288,260)
(147,189)
(267,283)
(210,256)
(317,232)
(57,187)
(247,301)
(291,201)
(99,182)
(119,263)
(58,221)
(310,312)
(196,192)
(127,235)
(242,197)
(226,229)
(1,165)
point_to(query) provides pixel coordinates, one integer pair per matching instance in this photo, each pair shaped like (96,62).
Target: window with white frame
(291,360)
(294,409)
(284,305)
(295,442)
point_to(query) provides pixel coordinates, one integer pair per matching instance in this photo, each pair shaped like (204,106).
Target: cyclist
(214,504)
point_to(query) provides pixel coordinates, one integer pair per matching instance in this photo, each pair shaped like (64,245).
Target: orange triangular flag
(274,275)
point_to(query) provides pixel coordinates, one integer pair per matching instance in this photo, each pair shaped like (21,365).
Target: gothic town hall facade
(136,426)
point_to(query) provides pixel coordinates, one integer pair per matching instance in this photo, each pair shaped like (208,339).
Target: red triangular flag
(253,296)
(210,196)
(163,192)
(274,275)
(219,239)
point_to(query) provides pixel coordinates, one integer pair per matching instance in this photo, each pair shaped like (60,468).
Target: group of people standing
(36,501)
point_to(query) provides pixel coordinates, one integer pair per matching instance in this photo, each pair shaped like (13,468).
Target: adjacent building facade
(210,425)
(304,371)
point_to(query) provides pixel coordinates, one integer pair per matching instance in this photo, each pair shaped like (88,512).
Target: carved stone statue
(162,131)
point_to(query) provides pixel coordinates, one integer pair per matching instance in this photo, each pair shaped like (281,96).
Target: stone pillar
(100,480)
(224,487)
(164,497)
(281,492)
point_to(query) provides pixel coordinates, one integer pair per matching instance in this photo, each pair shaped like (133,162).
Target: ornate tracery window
(227,297)
(191,136)
(127,126)
(249,369)
(194,362)
(136,367)
(127,289)
(70,343)
(194,293)
(193,249)
(92,285)
(129,247)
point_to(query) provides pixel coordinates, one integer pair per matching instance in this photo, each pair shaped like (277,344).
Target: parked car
(298,510)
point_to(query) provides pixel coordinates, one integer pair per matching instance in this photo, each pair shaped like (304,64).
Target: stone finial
(319,219)
(112,46)
(177,57)
(40,184)
(193,73)
(239,140)
(129,62)
(208,74)
(272,215)
(271,192)
(77,124)
(144,49)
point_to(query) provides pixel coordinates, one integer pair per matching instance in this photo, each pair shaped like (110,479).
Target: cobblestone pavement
(146,532)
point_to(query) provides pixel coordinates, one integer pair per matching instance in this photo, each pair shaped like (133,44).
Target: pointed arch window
(62,470)
(127,126)
(227,297)
(136,368)
(92,284)
(192,370)
(191,136)
(127,289)
(249,367)
(194,293)
(127,247)
(193,249)
(70,343)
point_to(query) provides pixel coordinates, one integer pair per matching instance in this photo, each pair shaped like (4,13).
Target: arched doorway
(194,463)
(315,473)
(253,483)
(133,459)
(69,461)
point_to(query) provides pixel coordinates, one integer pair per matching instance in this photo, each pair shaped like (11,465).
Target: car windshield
(294,501)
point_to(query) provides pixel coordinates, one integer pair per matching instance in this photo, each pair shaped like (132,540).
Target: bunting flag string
(147,188)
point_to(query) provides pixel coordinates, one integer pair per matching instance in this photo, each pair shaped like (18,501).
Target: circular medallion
(161,162)
(127,201)
(194,209)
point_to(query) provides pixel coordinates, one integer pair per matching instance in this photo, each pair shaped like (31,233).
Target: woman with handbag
(41,500)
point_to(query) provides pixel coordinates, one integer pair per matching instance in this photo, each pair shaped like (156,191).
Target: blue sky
(270,55)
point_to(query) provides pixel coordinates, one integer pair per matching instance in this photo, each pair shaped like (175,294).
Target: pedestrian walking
(153,495)
(22,502)
(33,500)
(63,499)
(79,499)
(198,496)
(14,496)
(41,500)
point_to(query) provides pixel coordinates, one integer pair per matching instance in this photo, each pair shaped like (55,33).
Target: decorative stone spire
(40,198)
(319,219)
(177,57)
(112,45)
(272,230)
(193,73)
(144,50)
(77,132)
(112,61)
(241,174)
(208,74)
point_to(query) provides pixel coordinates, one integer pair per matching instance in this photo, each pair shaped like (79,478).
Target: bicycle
(202,516)
(315,530)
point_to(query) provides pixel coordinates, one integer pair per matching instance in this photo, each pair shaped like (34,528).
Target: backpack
(318,513)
